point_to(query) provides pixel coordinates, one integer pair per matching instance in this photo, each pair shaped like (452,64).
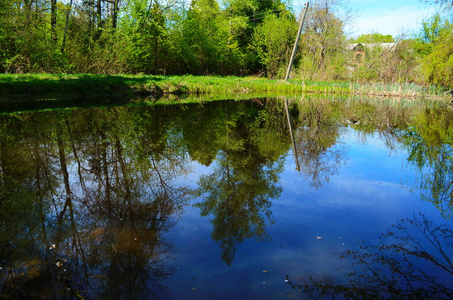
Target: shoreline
(23,87)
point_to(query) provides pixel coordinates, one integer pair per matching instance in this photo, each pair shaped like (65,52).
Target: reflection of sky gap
(197,171)
(375,187)
(369,169)
(359,204)
(312,226)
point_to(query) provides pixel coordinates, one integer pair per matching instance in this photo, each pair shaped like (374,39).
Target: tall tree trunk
(53,20)
(64,170)
(116,5)
(98,20)
(66,27)
(99,13)
(105,169)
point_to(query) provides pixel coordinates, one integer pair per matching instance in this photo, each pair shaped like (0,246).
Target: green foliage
(149,38)
(273,40)
(25,41)
(437,45)
(35,87)
(438,65)
(397,63)
(375,38)
(232,37)
(203,37)
(430,145)
(434,29)
(323,45)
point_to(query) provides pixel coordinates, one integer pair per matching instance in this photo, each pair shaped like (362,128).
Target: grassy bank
(48,86)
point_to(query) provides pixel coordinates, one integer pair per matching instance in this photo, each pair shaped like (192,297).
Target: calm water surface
(222,200)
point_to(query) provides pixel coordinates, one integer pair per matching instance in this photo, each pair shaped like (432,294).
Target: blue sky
(393,17)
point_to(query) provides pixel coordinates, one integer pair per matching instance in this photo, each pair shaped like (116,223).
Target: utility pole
(296,43)
(291,133)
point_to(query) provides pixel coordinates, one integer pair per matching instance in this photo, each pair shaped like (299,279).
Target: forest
(209,37)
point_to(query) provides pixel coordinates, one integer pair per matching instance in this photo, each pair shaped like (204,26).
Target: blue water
(212,201)
(310,227)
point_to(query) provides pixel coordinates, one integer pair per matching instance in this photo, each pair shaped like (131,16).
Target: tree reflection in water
(85,202)
(401,266)
(316,139)
(430,146)
(239,190)
(86,196)
(239,197)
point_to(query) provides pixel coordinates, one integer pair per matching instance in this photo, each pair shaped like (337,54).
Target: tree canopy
(232,37)
(375,37)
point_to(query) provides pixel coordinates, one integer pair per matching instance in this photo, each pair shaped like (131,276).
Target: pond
(266,198)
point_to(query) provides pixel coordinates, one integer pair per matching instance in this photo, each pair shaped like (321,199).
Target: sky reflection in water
(312,226)
(210,202)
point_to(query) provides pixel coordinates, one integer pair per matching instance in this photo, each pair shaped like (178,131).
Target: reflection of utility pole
(292,135)
(296,43)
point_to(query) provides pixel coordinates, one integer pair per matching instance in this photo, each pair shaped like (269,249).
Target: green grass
(53,86)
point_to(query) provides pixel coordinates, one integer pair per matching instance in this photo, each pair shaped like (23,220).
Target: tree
(396,62)
(375,38)
(53,20)
(244,17)
(27,40)
(324,42)
(238,191)
(85,193)
(203,38)
(437,41)
(430,145)
(253,12)
(317,150)
(146,27)
(273,40)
